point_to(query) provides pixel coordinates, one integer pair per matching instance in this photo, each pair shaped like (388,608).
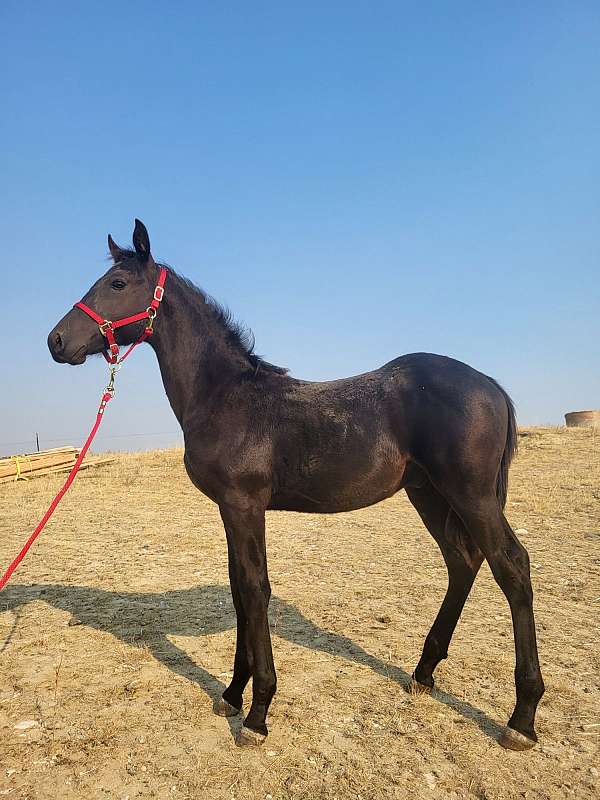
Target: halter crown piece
(108,327)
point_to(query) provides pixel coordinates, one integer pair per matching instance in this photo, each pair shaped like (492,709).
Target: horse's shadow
(146,619)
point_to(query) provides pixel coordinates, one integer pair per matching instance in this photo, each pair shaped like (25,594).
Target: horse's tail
(510,448)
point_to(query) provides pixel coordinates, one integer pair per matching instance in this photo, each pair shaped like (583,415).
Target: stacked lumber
(46,462)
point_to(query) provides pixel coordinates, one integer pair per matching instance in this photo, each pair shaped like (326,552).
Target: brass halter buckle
(106,325)
(151,317)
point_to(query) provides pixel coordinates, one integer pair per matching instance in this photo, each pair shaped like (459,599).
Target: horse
(258,439)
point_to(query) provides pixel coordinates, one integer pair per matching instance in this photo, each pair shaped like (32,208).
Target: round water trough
(583,419)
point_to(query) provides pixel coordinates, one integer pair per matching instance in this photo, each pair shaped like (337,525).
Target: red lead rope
(106,397)
(106,329)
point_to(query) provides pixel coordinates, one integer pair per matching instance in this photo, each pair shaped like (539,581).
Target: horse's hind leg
(509,563)
(463,559)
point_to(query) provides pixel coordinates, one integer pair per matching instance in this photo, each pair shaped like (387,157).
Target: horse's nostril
(58,342)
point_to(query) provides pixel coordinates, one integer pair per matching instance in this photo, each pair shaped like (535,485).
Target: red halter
(107,327)
(107,330)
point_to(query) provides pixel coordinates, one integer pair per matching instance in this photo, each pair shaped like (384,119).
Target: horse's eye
(118,284)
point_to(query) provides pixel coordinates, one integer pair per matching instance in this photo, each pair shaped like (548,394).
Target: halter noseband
(107,327)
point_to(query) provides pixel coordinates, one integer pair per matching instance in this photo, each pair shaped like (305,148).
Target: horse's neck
(195,360)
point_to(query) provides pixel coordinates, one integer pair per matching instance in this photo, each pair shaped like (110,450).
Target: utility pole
(37,441)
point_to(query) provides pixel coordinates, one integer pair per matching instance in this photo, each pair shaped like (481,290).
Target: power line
(81,436)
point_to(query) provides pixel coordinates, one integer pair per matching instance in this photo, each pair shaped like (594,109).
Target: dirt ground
(117,633)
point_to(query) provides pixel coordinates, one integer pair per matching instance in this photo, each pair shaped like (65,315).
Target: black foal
(258,439)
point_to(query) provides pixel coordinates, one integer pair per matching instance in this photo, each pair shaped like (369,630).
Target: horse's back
(345,444)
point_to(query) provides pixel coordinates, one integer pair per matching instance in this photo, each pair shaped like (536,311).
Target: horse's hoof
(224,709)
(414,687)
(249,738)
(513,740)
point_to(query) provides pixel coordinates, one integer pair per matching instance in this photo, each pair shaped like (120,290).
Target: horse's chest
(217,471)
(204,476)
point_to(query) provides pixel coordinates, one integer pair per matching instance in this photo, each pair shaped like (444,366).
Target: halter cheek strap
(108,328)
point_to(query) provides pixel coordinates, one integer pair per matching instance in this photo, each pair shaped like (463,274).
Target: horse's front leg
(230,704)
(245,528)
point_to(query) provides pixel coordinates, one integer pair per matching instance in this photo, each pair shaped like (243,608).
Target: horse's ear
(114,248)
(141,241)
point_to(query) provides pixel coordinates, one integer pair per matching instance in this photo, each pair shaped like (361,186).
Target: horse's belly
(345,489)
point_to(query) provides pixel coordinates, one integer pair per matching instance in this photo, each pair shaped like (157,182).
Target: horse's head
(121,292)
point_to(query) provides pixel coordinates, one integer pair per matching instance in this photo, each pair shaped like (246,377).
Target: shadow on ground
(147,619)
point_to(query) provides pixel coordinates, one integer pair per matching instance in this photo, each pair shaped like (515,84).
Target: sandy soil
(116,634)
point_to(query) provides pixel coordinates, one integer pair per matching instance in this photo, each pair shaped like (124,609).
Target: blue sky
(355,180)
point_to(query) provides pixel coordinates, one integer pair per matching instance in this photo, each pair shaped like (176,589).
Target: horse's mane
(239,336)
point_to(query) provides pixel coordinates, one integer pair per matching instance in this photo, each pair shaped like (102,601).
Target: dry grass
(117,633)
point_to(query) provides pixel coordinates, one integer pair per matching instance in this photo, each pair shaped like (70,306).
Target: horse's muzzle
(61,353)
